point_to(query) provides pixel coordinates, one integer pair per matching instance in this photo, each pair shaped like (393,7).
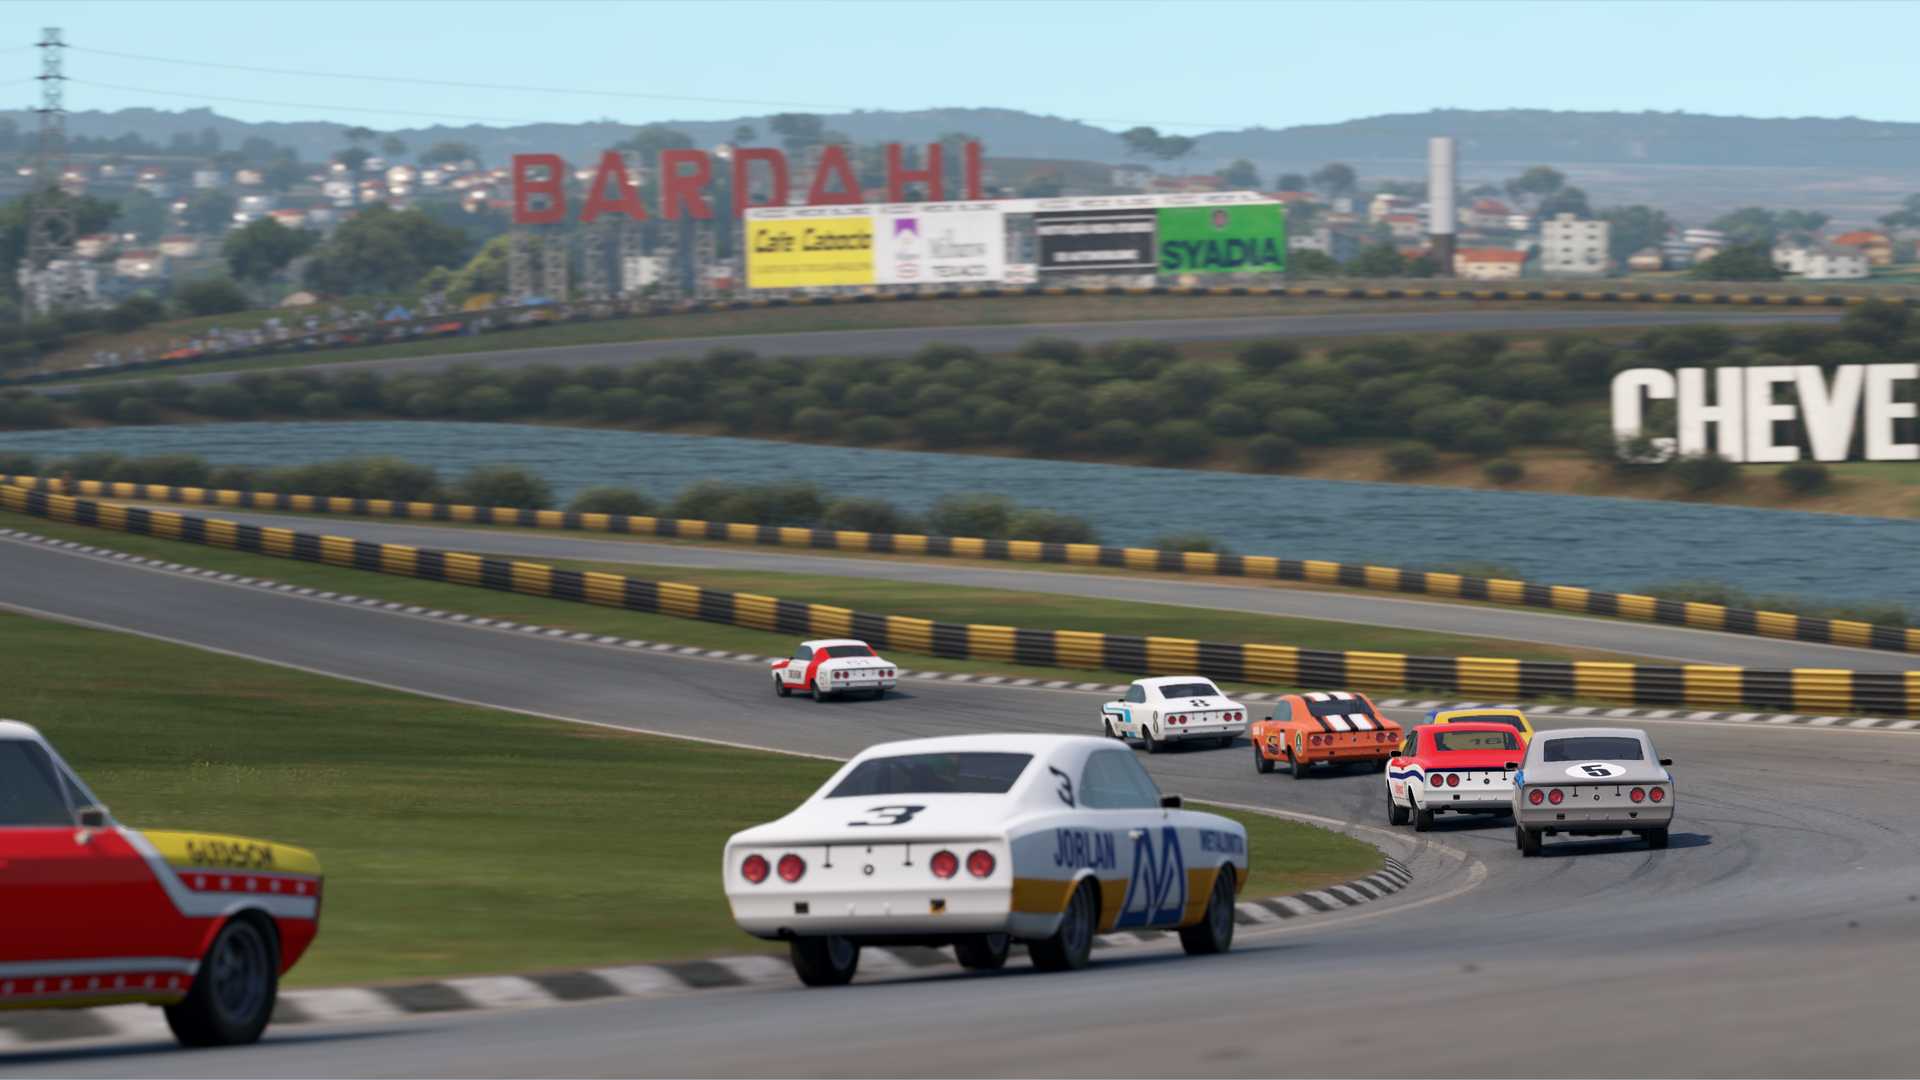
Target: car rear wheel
(818,694)
(824,961)
(233,994)
(1261,762)
(1298,766)
(1214,932)
(983,952)
(1656,838)
(1071,946)
(1396,814)
(781,688)
(1153,745)
(1422,817)
(1527,840)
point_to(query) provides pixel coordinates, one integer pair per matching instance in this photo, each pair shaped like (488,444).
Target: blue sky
(1190,66)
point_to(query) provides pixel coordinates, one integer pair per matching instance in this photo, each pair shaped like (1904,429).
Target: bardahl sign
(540,182)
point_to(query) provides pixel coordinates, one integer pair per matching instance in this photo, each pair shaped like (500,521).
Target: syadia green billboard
(1223,239)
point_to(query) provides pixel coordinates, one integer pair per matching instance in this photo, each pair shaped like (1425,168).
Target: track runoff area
(1788,885)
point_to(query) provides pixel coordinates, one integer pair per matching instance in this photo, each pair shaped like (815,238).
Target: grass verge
(950,603)
(455,840)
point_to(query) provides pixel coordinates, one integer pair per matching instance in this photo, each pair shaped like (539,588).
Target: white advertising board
(958,247)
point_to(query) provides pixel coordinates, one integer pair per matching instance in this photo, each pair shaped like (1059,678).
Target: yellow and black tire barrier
(1567,598)
(1698,685)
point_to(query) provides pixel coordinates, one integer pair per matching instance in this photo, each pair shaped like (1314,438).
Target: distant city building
(249,177)
(1877,247)
(289,217)
(1713,238)
(1570,247)
(93,245)
(179,246)
(1831,263)
(208,179)
(142,264)
(75,280)
(1406,226)
(1486,214)
(1336,244)
(1489,264)
(1790,256)
(1130,177)
(1647,258)
(1386,205)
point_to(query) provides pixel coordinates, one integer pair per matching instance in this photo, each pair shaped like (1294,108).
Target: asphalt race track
(1655,640)
(899,342)
(1780,935)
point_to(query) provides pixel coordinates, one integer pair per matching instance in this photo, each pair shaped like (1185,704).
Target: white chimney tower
(1440,209)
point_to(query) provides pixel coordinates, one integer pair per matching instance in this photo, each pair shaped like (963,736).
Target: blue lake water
(1564,539)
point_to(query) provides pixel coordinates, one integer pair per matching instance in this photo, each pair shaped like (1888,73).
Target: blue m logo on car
(1157,891)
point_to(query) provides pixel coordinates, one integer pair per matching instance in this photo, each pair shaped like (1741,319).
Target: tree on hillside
(1631,228)
(357,135)
(144,215)
(1748,225)
(393,146)
(450,151)
(1567,200)
(1380,260)
(383,250)
(1744,262)
(1308,263)
(1803,222)
(209,212)
(1335,178)
(798,132)
(648,141)
(1536,184)
(1241,175)
(1140,141)
(744,134)
(354,158)
(210,296)
(1907,216)
(1291,181)
(264,248)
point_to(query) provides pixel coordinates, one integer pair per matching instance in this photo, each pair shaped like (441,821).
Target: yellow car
(1513,718)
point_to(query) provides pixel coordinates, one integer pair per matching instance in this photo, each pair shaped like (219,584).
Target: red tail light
(754,869)
(1658,794)
(1535,797)
(980,863)
(1555,797)
(945,864)
(1453,779)
(1637,794)
(792,867)
(1313,740)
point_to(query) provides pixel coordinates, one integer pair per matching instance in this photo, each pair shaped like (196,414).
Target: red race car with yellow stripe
(95,913)
(1331,727)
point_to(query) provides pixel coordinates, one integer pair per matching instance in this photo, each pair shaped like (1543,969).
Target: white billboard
(1860,404)
(930,246)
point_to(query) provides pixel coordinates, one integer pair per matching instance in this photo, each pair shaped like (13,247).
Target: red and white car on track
(95,913)
(830,667)
(1453,768)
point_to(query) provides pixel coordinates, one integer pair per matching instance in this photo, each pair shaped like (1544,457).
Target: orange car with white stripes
(95,913)
(1323,727)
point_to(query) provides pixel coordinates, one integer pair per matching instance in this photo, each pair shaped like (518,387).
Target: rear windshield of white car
(1475,740)
(933,774)
(841,652)
(1593,748)
(1189,689)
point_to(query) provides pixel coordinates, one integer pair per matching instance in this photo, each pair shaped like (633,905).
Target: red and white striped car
(831,667)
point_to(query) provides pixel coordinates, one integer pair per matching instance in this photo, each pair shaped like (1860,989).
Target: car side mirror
(93,817)
(1666,761)
(1171,802)
(1513,766)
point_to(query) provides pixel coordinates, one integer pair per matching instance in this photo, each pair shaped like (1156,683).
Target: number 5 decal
(889,815)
